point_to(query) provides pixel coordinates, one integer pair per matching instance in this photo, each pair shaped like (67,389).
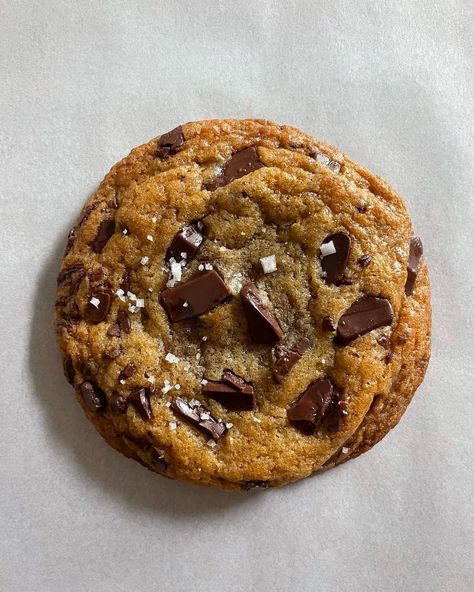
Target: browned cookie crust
(241,305)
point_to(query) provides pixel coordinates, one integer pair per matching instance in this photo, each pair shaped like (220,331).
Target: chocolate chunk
(71,276)
(170,143)
(362,316)
(334,264)
(113,330)
(335,414)
(188,240)
(123,321)
(104,232)
(158,459)
(262,324)
(328,324)
(307,411)
(286,358)
(364,261)
(127,372)
(201,293)
(69,370)
(118,403)
(199,416)
(413,264)
(97,310)
(233,392)
(240,164)
(140,399)
(247,485)
(384,341)
(93,396)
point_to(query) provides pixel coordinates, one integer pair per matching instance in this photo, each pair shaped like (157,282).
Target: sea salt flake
(204,381)
(256,420)
(140,303)
(200,267)
(229,425)
(204,337)
(177,386)
(268,264)
(184,255)
(222,248)
(208,266)
(149,237)
(122,381)
(144,260)
(205,415)
(211,443)
(171,358)
(344,450)
(131,295)
(121,294)
(172,425)
(95,302)
(154,219)
(327,249)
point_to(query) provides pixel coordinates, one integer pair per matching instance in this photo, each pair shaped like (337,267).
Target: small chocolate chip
(233,392)
(384,341)
(170,143)
(334,265)
(187,240)
(247,485)
(362,316)
(125,285)
(127,372)
(262,324)
(240,164)
(199,416)
(413,264)
(328,324)
(113,331)
(104,232)
(287,357)
(362,208)
(364,261)
(307,411)
(158,459)
(118,403)
(140,400)
(93,396)
(69,370)
(388,357)
(96,313)
(123,321)
(199,294)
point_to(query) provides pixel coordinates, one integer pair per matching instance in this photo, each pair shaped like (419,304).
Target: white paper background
(81,83)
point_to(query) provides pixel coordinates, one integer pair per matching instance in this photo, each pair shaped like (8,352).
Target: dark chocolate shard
(240,164)
(328,325)
(232,392)
(140,399)
(113,330)
(98,305)
(306,412)
(286,358)
(413,264)
(104,232)
(262,324)
(362,316)
(198,295)
(334,255)
(123,321)
(93,396)
(118,403)
(199,416)
(170,143)
(187,240)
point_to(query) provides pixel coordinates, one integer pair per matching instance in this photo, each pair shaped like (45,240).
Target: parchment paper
(83,82)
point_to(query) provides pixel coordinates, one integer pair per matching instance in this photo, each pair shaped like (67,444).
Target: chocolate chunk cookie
(241,305)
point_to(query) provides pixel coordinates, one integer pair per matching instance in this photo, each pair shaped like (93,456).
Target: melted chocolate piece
(93,396)
(123,321)
(199,294)
(199,416)
(286,358)
(140,399)
(334,265)
(262,324)
(170,143)
(233,392)
(240,164)
(188,240)
(362,316)
(96,313)
(104,232)
(335,414)
(364,261)
(327,324)
(307,411)
(413,264)
(113,331)
(69,370)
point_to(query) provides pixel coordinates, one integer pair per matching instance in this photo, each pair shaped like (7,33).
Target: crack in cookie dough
(241,305)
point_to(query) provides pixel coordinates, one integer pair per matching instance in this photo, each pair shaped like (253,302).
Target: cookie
(241,305)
